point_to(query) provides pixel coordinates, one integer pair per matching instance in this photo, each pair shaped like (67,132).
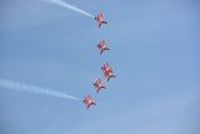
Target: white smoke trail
(33,89)
(66,5)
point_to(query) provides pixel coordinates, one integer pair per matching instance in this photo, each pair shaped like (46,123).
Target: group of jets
(106,68)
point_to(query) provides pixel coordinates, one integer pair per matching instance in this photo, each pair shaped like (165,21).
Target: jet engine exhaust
(71,7)
(8,84)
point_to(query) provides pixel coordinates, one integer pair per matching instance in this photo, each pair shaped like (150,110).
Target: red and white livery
(88,101)
(100,19)
(99,84)
(102,46)
(108,72)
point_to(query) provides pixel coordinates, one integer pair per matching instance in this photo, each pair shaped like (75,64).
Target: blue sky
(154,53)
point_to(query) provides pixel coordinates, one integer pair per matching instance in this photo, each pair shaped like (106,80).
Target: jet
(88,101)
(100,19)
(102,46)
(108,72)
(99,85)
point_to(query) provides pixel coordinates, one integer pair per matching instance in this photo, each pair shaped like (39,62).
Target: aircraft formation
(107,70)
(99,84)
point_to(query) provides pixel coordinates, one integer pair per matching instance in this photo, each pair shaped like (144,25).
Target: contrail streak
(33,89)
(71,7)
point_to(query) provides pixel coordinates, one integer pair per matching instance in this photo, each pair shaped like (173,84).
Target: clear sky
(155,54)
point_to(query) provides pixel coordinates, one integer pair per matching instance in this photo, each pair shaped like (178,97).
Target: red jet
(100,19)
(108,72)
(102,46)
(88,101)
(99,85)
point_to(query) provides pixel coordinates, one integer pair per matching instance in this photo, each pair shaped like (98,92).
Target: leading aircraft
(100,19)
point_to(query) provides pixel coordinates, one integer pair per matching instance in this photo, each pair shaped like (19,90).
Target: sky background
(155,54)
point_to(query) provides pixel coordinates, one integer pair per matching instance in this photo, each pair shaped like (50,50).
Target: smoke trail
(33,89)
(66,5)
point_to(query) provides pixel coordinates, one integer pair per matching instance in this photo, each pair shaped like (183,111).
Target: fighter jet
(100,19)
(99,85)
(88,101)
(102,46)
(108,72)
